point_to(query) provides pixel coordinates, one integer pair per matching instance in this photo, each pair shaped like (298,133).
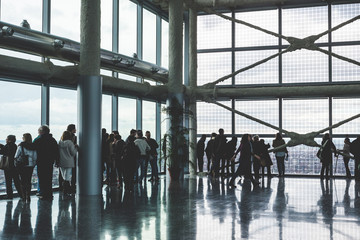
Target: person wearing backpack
(355,150)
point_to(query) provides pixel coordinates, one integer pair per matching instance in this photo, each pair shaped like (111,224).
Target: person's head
(111,137)
(262,141)
(256,138)
(133,132)
(347,140)
(326,136)
(66,136)
(234,139)
(43,129)
(148,134)
(27,138)
(203,137)
(278,136)
(71,128)
(103,131)
(115,132)
(221,131)
(11,139)
(245,138)
(117,137)
(213,135)
(139,134)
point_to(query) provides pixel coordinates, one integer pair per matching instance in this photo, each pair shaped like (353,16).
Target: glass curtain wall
(223,49)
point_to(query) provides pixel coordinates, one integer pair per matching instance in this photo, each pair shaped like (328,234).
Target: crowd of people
(122,160)
(254,155)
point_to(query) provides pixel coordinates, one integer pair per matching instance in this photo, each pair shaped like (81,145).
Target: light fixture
(57,43)
(116,59)
(25,24)
(130,63)
(154,70)
(6,31)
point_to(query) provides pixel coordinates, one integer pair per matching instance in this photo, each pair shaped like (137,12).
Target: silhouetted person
(200,148)
(219,151)
(346,150)
(119,147)
(257,150)
(153,156)
(326,155)
(355,150)
(229,152)
(11,173)
(47,153)
(209,152)
(280,154)
(265,156)
(244,167)
(71,128)
(131,154)
(144,148)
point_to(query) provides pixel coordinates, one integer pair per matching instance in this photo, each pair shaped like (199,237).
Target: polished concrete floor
(285,208)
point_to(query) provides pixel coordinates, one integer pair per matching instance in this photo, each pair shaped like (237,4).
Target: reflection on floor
(285,208)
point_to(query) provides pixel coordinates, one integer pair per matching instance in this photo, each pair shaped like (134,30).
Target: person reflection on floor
(246,208)
(43,226)
(64,226)
(326,203)
(279,206)
(11,221)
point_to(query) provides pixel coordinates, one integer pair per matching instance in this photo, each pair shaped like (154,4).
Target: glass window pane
(305,66)
(149,36)
(106,25)
(267,72)
(63,110)
(343,70)
(342,13)
(127,27)
(19,113)
(149,118)
(247,37)
(305,115)
(127,116)
(304,22)
(211,117)
(212,66)
(65,20)
(265,110)
(213,32)
(15,12)
(106,113)
(164,44)
(302,160)
(343,109)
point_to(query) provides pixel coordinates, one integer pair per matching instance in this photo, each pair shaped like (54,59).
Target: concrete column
(193,84)
(89,101)
(175,97)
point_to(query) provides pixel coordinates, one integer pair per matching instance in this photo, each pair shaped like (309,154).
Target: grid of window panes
(343,70)
(343,108)
(342,13)
(212,66)
(304,22)
(213,32)
(264,73)
(149,117)
(127,116)
(248,37)
(305,115)
(305,66)
(211,117)
(265,110)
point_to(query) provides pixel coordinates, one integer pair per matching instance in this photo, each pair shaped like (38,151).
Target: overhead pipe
(30,41)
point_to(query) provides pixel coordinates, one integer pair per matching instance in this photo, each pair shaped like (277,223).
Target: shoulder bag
(22,160)
(319,153)
(4,162)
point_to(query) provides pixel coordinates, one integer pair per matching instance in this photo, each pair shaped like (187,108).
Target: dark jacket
(220,145)
(230,148)
(326,154)
(46,148)
(9,150)
(210,147)
(200,148)
(355,147)
(153,146)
